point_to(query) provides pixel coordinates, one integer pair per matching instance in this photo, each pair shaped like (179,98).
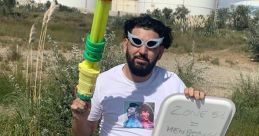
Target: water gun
(94,46)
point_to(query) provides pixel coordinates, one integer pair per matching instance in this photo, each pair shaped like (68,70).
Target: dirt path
(221,77)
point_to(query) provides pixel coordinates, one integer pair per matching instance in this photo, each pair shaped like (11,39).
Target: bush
(14,54)
(223,17)
(253,40)
(191,76)
(210,28)
(241,17)
(5,87)
(246,97)
(6,6)
(113,54)
(45,112)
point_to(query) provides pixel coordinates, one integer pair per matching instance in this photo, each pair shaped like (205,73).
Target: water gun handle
(94,47)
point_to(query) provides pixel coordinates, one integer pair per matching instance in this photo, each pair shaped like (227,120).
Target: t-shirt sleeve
(96,107)
(181,87)
(181,84)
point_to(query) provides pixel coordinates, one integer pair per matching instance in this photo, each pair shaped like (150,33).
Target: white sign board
(179,116)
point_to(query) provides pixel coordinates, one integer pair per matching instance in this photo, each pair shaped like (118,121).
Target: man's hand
(80,109)
(197,94)
(80,125)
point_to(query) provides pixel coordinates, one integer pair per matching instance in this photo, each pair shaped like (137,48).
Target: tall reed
(29,58)
(40,55)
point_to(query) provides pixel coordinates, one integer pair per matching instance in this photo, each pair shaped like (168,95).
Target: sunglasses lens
(136,41)
(151,44)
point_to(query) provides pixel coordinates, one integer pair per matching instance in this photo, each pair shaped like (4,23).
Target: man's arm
(80,125)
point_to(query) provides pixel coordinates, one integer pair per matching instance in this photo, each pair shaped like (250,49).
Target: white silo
(125,6)
(90,5)
(196,7)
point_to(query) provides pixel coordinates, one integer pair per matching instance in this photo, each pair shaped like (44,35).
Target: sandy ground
(220,79)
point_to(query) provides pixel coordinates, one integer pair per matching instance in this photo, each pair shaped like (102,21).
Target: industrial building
(196,7)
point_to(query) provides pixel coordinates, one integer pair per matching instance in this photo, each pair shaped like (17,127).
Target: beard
(140,69)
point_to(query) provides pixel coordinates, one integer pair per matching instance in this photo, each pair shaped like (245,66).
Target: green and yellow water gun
(94,46)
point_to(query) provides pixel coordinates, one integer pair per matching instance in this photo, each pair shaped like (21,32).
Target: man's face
(131,111)
(141,59)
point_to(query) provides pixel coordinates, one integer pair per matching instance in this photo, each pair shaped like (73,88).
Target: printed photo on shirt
(139,115)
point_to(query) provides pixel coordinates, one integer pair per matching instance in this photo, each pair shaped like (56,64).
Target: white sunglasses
(152,43)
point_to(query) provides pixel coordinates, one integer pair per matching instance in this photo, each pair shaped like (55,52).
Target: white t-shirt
(123,104)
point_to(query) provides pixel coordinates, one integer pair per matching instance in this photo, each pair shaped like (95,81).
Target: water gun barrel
(94,47)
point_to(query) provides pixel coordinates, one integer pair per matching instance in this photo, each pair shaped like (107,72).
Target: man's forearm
(82,127)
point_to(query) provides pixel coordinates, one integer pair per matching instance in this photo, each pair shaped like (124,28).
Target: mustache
(141,57)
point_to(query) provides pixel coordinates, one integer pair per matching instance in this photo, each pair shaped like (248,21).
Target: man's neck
(132,77)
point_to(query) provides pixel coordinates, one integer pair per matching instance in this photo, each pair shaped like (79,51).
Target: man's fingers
(197,94)
(202,95)
(79,106)
(186,92)
(189,92)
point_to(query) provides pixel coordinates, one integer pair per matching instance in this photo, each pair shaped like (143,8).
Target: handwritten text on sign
(194,121)
(180,111)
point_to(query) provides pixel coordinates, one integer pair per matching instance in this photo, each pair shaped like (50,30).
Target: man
(137,81)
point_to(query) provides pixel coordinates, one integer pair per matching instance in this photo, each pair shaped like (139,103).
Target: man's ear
(125,44)
(161,51)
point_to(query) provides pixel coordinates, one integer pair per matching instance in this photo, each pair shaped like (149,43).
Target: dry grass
(40,55)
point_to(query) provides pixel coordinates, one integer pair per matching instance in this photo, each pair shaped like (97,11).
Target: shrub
(241,17)
(246,97)
(14,53)
(5,87)
(113,54)
(209,28)
(6,6)
(253,40)
(191,76)
(215,61)
(223,17)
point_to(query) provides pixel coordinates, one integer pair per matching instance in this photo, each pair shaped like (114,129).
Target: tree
(181,13)
(9,3)
(241,17)
(168,13)
(223,17)
(253,40)
(48,3)
(157,13)
(6,6)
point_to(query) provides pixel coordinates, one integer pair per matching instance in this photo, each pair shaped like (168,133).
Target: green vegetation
(245,97)
(254,38)
(47,112)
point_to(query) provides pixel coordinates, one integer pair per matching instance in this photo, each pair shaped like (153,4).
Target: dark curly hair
(147,22)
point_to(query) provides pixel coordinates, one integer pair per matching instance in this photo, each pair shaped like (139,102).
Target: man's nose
(143,49)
